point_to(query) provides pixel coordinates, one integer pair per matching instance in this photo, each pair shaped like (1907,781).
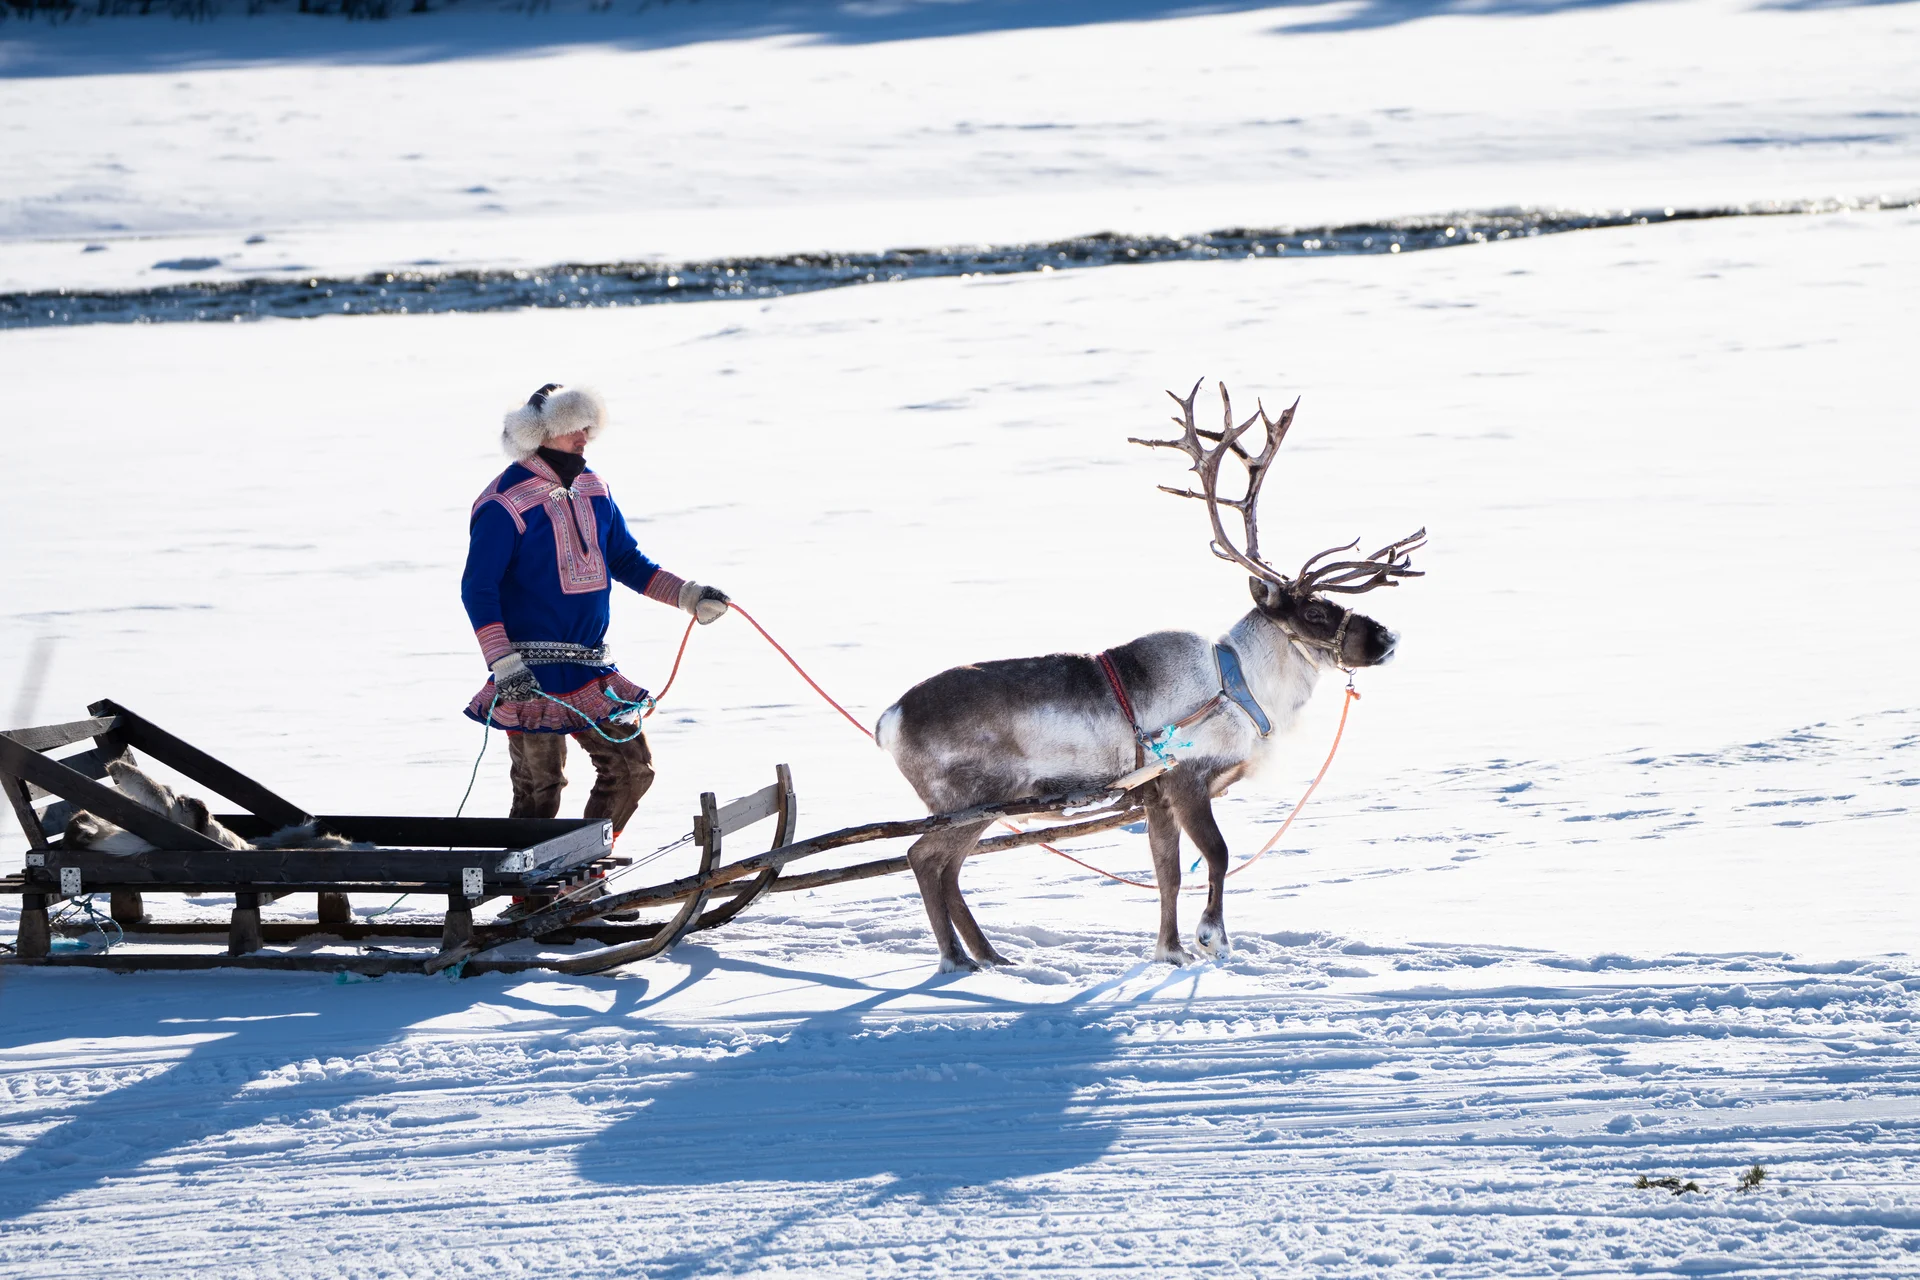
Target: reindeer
(999,731)
(88,830)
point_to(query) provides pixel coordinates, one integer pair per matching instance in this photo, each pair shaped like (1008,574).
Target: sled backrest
(717,821)
(45,790)
(39,802)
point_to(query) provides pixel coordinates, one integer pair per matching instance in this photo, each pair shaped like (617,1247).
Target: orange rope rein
(1346,705)
(803,675)
(673,674)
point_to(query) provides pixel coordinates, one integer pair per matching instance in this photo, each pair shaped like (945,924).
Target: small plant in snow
(1752,1178)
(1644,1183)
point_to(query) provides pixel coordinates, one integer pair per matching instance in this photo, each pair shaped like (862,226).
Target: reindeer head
(1334,633)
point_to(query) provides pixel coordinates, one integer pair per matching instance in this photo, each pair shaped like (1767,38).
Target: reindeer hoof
(1212,939)
(959,964)
(993,960)
(1175,956)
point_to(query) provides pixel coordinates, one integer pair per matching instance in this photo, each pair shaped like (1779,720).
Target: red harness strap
(1105,659)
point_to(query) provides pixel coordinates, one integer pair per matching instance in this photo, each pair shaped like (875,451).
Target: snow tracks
(1459,1114)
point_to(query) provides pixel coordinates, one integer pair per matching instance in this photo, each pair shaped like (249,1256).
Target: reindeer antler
(1384,568)
(1346,577)
(1206,465)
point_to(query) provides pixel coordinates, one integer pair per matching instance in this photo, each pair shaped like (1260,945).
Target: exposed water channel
(629,284)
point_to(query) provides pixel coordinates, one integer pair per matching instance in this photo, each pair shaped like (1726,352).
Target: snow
(1610,877)
(738,128)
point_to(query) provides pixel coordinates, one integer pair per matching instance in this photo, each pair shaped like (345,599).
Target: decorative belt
(537,652)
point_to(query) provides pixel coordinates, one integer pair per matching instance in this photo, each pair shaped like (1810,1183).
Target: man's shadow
(927,1102)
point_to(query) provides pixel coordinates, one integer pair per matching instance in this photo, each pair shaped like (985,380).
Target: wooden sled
(467,859)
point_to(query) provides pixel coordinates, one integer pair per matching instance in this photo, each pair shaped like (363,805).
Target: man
(546,544)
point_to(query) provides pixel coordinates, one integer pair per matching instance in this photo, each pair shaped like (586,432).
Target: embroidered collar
(538,466)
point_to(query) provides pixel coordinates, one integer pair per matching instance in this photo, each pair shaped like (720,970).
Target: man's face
(574,443)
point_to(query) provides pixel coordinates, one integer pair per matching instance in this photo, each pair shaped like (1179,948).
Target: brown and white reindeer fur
(1025,727)
(86,830)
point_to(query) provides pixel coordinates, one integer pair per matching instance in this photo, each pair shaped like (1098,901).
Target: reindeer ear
(1265,594)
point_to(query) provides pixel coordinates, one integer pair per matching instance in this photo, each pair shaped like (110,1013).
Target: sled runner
(53,774)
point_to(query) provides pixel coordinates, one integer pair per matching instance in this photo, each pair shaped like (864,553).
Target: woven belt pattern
(537,652)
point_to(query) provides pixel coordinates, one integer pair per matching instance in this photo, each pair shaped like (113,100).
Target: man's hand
(707,604)
(514,680)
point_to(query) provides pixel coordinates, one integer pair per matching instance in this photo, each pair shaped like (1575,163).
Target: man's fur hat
(552,411)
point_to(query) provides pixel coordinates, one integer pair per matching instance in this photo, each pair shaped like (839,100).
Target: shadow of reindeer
(923,1105)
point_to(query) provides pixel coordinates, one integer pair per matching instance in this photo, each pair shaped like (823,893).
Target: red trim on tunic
(665,587)
(494,644)
(589,702)
(582,568)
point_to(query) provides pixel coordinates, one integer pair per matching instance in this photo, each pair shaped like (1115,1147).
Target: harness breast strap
(1233,688)
(1233,683)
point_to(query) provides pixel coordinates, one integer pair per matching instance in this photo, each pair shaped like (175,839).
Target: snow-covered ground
(1611,877)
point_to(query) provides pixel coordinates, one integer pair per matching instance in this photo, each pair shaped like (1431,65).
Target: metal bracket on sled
(70,882)
(472,883)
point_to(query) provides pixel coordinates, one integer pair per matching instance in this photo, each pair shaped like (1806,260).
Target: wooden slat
(31,766)
(739,814)
(888,866)
(23,811)
(783,830)
(165,868)
(296,930)
(424,833)
(121,960)
(91,763)
(188,759)
(52,737)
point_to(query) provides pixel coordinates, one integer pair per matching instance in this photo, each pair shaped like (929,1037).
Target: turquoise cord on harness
(1162,745)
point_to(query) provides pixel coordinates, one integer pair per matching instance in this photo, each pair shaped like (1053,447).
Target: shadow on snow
(230,1030)
(928,1104)
(160,43)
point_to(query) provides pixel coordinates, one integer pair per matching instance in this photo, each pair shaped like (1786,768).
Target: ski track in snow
(1493,1127)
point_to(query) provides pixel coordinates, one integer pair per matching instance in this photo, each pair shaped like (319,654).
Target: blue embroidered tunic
(541,558)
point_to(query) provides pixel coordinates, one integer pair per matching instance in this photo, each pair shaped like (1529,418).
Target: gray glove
(707,604)
(514,680)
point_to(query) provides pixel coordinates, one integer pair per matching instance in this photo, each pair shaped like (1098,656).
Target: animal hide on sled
(86,830)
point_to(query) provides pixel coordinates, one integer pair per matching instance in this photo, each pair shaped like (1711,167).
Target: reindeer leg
(1163,838)
(957,909)
(927,857)
(1195,813)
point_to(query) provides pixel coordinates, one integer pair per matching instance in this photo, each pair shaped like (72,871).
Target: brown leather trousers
(622,773)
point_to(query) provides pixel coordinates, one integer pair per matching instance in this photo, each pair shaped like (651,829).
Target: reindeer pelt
(86,830)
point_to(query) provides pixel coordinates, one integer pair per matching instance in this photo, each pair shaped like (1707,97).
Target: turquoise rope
(94,918)
(484,736)
(628,707)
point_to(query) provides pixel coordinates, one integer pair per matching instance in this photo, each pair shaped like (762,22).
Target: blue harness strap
(1233,683)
